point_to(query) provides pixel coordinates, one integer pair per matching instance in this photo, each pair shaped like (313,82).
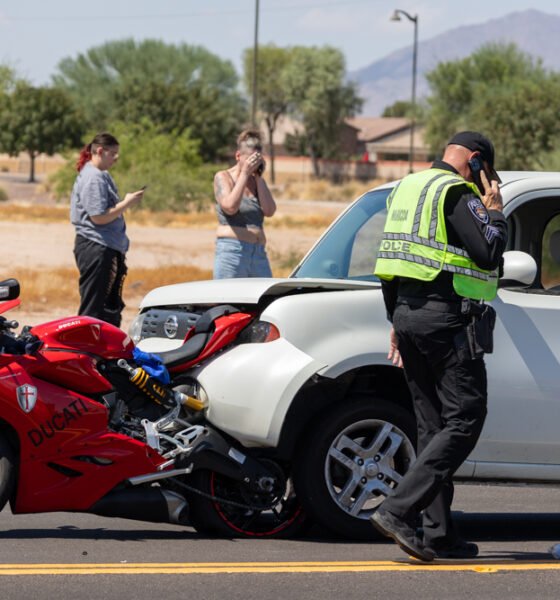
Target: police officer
(442,245)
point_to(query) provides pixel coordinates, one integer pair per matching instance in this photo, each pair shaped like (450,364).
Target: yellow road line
(270,567)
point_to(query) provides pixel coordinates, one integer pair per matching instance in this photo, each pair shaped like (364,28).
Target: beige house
(378,147)
(287,126)
(388,138)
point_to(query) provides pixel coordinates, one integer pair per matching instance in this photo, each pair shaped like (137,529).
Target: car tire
(7,471)
(352,458)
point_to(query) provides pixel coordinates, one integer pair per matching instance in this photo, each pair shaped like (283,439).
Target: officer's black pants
(102,274)
(449,392)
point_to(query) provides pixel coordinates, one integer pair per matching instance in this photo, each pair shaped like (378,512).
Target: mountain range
(389,79)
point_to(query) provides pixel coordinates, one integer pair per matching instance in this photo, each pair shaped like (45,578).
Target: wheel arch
(320,394)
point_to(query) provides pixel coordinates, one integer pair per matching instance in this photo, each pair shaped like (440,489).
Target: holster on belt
(480,327)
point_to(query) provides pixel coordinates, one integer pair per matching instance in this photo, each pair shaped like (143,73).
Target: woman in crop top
(242,201)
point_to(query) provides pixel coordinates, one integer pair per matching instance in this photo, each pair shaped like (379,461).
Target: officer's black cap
(477,143)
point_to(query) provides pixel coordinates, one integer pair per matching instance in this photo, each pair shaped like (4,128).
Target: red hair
(84,157)
(101,139)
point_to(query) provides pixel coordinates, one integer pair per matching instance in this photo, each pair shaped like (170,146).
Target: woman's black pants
(102,274)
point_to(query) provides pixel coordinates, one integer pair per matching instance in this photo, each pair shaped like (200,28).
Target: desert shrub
(168,163)
(3,195)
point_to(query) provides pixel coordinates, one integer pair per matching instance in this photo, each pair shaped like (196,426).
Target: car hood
(242,291)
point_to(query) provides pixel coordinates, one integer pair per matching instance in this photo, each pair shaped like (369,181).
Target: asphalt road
(65,555)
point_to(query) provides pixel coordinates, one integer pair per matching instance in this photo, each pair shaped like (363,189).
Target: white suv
(321,395)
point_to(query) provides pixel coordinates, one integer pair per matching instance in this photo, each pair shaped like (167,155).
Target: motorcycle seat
(185,353)
(197,340)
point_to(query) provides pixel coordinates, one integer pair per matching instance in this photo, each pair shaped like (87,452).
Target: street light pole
(414,19)
(255,62)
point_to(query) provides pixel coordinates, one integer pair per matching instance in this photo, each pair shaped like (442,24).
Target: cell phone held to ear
(260,169)
(475,165)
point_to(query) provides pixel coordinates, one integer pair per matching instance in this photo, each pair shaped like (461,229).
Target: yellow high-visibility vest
(414,242)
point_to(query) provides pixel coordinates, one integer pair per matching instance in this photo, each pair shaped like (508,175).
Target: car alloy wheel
(362,465)
(350,459)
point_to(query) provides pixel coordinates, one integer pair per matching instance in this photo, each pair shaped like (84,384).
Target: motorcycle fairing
(69,459)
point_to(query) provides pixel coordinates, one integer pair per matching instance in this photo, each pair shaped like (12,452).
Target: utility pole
(255,62)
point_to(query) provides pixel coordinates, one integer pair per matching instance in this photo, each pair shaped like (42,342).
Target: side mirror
(520,269)
(9,289)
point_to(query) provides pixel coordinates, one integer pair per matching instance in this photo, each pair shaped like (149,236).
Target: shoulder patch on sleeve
(478,210)
(491,233)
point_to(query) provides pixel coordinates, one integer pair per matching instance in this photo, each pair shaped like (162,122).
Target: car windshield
(349,248)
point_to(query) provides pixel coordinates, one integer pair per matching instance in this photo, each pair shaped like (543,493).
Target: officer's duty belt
(464,306)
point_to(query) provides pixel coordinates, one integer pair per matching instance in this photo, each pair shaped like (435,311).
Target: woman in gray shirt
(242,201)
(96,211)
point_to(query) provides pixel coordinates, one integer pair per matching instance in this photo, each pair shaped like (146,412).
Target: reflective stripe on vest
(415,243)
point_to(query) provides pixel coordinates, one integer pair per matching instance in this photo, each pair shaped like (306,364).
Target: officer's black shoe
(460,549)
(394,527)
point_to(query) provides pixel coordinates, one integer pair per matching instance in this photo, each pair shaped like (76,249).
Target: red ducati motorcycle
(85,428)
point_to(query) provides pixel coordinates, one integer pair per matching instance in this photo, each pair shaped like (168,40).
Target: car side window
(347,250)
(550,258)
(366,244)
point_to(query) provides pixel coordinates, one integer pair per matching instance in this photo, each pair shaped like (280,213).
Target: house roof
(372,128)
(399,142)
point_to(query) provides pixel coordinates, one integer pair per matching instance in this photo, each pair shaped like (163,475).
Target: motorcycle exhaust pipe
(215,453)
(151,504)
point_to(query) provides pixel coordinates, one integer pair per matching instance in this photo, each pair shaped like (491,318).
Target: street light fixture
(414,19)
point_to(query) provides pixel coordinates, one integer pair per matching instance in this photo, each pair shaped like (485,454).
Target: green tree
(400,108)
(8,79)
(168,163)
(210,116)
(37,120)
(179,87)
(502,92)
(403,108)
(272,94)
(321,98)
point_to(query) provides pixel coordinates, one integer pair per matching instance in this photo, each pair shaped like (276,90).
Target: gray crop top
(250,214)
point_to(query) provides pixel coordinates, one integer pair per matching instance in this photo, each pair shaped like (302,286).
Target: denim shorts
(235,258)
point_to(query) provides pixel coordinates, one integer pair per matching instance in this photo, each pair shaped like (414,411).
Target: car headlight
(135,329)
(259,332)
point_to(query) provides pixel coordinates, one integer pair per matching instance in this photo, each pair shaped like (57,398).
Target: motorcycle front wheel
(237,511)
(7,471)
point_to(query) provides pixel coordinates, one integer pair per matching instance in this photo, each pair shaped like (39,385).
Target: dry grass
(314,221)
(321,189)
(283,263)
(41,290)
(140,281)
(206,220)
(60,214)
(34,213)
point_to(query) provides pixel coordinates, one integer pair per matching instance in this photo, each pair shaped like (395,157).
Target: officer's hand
(394,354)
(492,198)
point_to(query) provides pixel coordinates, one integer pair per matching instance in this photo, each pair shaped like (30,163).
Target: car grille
(169,324)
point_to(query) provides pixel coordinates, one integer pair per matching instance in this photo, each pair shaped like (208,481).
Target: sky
(36,34)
